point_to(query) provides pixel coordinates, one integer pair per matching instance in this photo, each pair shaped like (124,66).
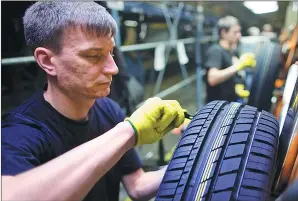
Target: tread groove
(253,188)
(223,190)
(261,155)
(258,171)
(264,142)
(235,156)
(227,173)
(265,131)
(235,143)
(274,128)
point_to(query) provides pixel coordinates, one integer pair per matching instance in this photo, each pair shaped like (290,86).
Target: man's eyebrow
(93,48)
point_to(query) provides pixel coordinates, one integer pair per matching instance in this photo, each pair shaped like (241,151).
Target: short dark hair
(225,23)
(45,22)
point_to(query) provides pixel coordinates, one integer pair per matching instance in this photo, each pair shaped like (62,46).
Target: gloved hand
(246,60)
(155,118)
(240,91)
(179,130)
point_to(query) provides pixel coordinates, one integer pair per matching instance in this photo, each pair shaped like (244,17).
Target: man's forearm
(216,76)
(73,174)
(147,185)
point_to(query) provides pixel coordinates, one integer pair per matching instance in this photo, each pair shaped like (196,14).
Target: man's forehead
(100,44)
(236,27)
(81,40)
(81,31)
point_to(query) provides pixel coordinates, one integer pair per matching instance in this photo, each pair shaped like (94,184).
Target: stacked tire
(227,153)
(269,63)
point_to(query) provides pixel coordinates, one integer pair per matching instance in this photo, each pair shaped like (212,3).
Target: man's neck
(225,44)
(69,107)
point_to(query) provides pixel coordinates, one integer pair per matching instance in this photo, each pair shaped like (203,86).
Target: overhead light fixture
(130,23)
(261,7)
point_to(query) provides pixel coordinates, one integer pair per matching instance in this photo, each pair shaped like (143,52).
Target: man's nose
(110,66)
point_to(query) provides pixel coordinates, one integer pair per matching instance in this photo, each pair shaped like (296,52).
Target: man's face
(85,65)
(233,35)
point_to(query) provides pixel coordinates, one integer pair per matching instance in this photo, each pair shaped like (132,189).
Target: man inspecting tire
(68,141)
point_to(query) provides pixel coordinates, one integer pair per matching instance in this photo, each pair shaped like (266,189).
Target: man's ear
(223,32)
(43,58)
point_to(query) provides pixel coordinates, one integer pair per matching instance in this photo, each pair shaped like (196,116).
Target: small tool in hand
(187,115)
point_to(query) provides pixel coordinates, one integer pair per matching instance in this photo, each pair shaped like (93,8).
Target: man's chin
(103,93)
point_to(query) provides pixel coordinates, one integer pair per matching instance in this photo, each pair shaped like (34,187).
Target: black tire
(227,153)
(267,70)
(287,144)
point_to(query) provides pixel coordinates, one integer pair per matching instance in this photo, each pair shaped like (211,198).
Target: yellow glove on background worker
(246,60)
(241,92)
(155,118)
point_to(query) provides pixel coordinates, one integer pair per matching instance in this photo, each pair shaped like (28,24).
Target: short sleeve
(129,162)
(213,58)
(21,147)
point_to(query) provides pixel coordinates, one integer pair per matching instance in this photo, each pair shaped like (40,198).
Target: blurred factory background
(160,52)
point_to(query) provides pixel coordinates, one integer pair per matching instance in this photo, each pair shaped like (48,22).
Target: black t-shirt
(218,57)
(35,133)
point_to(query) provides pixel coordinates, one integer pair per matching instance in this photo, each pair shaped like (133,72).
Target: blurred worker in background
(268,32)
(69,141)
(222,67)
(253,31)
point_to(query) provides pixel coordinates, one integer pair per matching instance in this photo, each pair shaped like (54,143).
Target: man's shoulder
(23,122)
(23,116)
(22,130)
(29,106)
(215,47)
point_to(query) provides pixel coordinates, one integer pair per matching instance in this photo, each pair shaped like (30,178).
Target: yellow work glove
(178,131)
(246,60)
(240,91)
(155,118)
